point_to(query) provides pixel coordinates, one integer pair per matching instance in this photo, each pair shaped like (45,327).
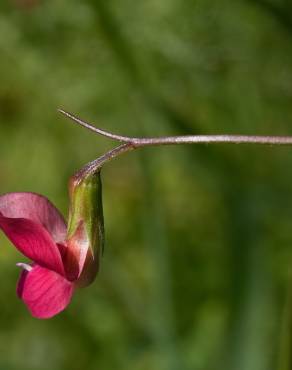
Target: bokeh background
(197,268)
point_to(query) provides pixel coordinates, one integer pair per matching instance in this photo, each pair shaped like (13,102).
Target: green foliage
(196,272)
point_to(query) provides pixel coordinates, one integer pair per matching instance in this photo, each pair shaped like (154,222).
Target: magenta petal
(20,284)
(36,208)
(76,251)
(34,241)
(45,292)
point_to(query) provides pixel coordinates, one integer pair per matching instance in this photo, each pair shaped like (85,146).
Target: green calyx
(85,235)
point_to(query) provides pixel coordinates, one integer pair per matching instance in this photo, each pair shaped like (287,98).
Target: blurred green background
(196,273)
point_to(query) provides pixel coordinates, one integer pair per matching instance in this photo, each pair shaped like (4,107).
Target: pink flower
(61,261)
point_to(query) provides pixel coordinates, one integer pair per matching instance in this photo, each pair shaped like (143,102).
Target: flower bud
(85,235)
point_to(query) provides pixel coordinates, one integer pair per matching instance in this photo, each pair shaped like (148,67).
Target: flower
(61,260)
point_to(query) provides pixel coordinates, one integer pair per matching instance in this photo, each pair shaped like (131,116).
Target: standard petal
(34,241)
(45,292)
(36,208)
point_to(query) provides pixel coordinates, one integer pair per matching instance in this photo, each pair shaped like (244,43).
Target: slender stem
(208,139)
(97,164)
(131,143)
(188,139)
(95,129)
